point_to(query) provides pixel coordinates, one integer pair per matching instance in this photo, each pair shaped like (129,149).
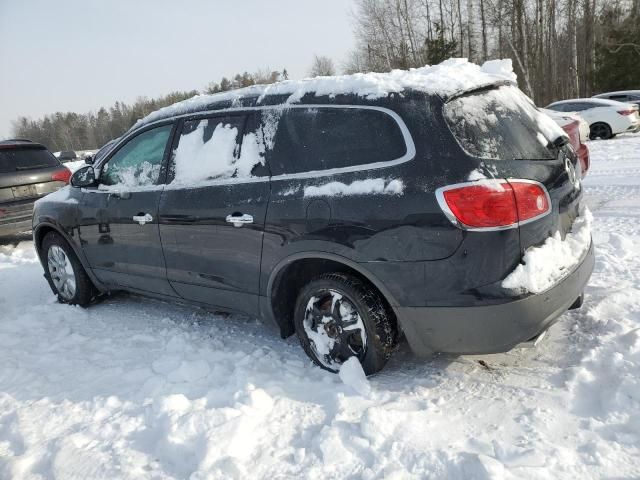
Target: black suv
(345,220)
(28,171)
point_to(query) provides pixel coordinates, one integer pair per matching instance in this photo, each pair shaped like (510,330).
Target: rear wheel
(337,316)
(600,130)
(66,276)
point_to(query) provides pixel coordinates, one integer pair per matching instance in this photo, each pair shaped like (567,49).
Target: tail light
(626,112)
(61,175)
(494,204)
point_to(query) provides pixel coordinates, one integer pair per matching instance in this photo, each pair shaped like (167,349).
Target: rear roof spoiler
(487,86)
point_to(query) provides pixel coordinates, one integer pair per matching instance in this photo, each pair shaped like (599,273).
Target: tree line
(85,131)
(560,49)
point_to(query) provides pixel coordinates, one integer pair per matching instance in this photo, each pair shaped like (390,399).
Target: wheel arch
(298,269)
(43,228)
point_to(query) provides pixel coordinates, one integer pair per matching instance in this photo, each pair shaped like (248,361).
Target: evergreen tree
(618,54)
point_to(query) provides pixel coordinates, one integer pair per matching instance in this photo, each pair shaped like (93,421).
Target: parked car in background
(606,118)
(625,96)
(84,154)
(578,130)
(340,218)
(66,156)
(28,171)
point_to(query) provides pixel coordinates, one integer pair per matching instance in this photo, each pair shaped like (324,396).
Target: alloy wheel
(61,272)
(334,328)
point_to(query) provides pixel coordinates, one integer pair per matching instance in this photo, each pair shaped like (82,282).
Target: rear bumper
(13,228)
(585,161)
(492,328)
(16,217)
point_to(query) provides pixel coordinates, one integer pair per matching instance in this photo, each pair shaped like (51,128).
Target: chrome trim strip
(408,140)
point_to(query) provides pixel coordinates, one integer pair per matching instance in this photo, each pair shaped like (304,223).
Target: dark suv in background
(345,220)
(28,171)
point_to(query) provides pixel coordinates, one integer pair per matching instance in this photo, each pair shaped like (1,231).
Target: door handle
(142,218)
(239,220)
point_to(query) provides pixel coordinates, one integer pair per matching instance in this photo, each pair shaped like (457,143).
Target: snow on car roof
(618,92)
(601,101)
(447,78)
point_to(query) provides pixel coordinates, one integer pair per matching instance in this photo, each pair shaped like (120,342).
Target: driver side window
(139,161)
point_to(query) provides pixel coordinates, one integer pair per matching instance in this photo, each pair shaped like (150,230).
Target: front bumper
(492,328)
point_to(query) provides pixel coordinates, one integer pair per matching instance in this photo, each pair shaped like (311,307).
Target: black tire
(381,331)
(600,130)
(85,292)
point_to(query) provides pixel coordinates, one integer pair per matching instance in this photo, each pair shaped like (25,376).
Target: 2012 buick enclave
(345,217)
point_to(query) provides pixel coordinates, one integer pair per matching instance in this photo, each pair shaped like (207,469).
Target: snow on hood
(451,76)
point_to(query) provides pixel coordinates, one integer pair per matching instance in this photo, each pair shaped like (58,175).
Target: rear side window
(501,124)
(19,159)
(578,107)
(213,149)
(315,138)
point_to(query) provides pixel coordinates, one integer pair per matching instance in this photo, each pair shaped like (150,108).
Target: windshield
(501,124)
(17,159)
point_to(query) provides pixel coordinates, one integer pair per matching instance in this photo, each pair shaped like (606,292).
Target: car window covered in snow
(139,161)
(501,123)
(312,139)
(210,149)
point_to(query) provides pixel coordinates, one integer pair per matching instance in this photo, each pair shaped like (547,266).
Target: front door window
(139,161)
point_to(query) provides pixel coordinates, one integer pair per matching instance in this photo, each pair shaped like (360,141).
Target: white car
(606,118)
(625,96)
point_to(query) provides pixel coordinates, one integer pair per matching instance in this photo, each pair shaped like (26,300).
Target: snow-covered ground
(134,388)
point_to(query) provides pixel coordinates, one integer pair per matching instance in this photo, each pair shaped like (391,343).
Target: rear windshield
(501,124)
(18,159)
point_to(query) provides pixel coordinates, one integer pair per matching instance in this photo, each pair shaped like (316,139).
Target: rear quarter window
(501,124)
(316,138)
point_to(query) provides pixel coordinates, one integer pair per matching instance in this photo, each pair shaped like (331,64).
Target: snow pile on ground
(139,389)
(544,266)
(445,78)
(369,186)
(352,374)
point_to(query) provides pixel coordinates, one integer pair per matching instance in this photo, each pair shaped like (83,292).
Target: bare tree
(322,67)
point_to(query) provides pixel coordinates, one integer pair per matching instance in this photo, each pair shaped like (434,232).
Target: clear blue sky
(79,55)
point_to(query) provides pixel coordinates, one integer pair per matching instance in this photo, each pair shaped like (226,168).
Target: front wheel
(66,276)
(337,316)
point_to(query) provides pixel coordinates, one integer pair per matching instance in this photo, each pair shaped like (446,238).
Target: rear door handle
(142,218)
(239,220)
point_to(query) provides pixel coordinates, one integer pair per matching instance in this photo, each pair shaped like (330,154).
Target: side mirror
(88,159)
(83,177)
